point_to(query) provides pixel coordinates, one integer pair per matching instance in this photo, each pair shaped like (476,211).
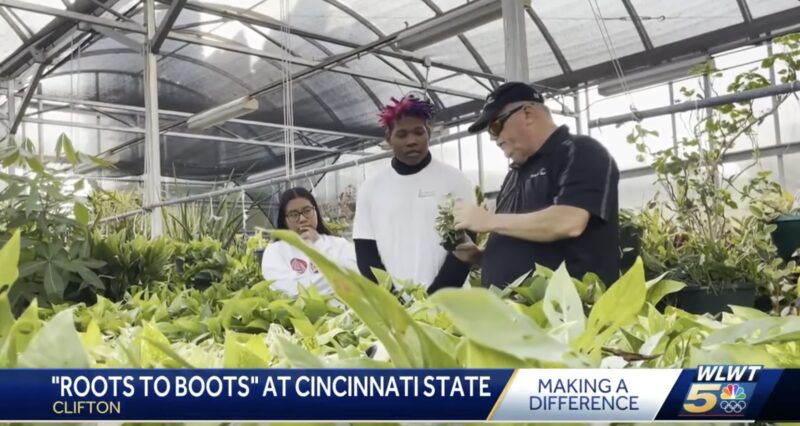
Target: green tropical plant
(54,221)
(698,230)
(131,261)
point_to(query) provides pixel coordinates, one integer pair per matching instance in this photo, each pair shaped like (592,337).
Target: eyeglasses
(496,125)
(294,215)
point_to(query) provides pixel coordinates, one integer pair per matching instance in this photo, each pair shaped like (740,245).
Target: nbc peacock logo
(733,391)
(733,399)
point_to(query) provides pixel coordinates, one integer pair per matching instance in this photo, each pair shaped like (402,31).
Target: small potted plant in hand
(446,225)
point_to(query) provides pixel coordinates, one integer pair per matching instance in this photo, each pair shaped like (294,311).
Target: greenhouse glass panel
(469,159)
(759,8)
(542,62)
(495,163)
(635,192)
(790,125)
(446,5)
(452,52)
(671,21)
(576,31)
(347,100)
(319,17)
(446,152)
(463,83)
(792,173)
(9,42)
(390,17)
(488,40)
(37,21)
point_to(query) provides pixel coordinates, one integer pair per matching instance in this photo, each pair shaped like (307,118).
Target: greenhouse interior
(149,147)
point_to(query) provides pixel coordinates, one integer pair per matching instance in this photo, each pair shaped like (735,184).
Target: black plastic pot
(703,300)
(787,235)
(630,240)
(260,255)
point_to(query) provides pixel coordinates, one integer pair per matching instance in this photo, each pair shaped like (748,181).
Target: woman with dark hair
(288,267)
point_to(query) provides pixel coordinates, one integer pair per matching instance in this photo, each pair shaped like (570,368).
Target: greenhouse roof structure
(344,60)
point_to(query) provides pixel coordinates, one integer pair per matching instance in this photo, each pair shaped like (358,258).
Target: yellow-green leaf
(9,260)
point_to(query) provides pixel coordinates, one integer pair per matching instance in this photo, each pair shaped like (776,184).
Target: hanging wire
(288,92)
(612,52)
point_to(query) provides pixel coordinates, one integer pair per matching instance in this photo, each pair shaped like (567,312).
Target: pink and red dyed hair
(407,106)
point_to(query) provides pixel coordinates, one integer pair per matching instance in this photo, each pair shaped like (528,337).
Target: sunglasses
(496,125)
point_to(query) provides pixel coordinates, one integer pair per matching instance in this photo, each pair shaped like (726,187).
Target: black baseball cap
(505,94)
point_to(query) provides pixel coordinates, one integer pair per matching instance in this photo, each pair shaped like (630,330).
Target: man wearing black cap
(558,202)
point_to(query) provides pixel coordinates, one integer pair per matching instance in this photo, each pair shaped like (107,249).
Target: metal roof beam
(13,24)
(55,100)
(139,130)
(745,9)
(233,47)
(273,24)
(112,34)
(26,99)
(637,22)
(548,37)
(166,25)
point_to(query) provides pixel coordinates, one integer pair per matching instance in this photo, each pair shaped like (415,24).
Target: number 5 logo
(702,398)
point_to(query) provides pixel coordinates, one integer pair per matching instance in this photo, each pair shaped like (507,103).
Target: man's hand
(468,253)
(309,234)
(472,217)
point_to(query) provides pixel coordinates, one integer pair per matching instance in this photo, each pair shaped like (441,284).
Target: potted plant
(705,226)
(446,225)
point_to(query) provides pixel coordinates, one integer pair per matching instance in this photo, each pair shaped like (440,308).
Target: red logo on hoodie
(299,265)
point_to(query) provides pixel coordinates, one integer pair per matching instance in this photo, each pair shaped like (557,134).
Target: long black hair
(300,192)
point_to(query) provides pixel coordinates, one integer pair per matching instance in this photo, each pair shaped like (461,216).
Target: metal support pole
(777,120)
(515,46)
(576,102)
(12,106)
(704,103)
(673,119)
(588,110)
(152,157)
(480,160)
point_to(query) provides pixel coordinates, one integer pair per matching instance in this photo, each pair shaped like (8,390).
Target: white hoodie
(288,267)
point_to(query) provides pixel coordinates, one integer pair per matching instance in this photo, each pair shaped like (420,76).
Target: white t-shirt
(288,267)
(399,213)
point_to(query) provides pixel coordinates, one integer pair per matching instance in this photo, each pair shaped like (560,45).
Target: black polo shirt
(567,170)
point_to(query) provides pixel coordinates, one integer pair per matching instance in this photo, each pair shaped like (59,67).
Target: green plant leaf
(35,165)
(617,307)
(245,351)
(297,356)
(54,284)
(81,213)
(58,333)
(408,345)
(474,355)
(9,260)
(11,158)
(562,304)
(663,288)
(484,318)
(69,150)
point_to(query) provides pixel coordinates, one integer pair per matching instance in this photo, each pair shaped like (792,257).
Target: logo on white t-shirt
(299,265)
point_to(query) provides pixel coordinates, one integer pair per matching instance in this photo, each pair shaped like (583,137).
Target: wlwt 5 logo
(721,391)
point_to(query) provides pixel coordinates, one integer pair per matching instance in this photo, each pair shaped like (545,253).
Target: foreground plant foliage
(549,320)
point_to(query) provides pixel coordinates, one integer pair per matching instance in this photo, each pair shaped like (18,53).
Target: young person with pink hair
(394,226)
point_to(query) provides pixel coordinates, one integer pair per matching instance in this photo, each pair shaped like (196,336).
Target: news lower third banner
(714,392)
